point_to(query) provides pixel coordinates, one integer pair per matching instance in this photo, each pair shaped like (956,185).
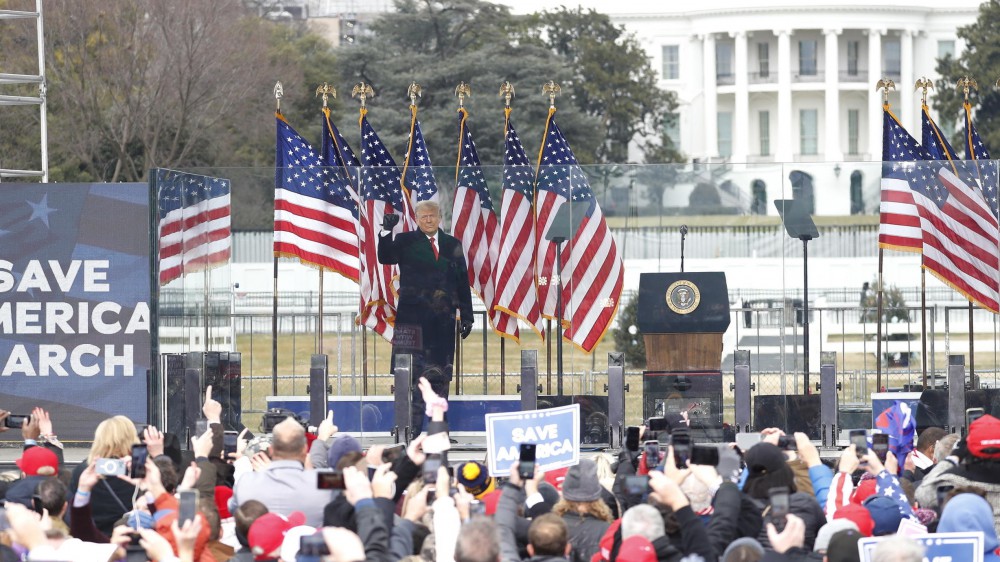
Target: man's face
(428,220)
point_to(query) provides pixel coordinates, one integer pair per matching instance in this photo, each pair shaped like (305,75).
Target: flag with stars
(959,231)
(899,219)
(381,194)
(984,171)
(194,227)
(315,210)
(337,152)
(592,273)
(475,224)
(514,270)
(418,173)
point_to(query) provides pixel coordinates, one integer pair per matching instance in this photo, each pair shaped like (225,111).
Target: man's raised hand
(389,221)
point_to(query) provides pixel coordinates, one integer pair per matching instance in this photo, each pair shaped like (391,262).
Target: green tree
(628,338)
(980,61)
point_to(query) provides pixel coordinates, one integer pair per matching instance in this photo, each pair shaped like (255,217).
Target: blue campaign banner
(556,432)
(941,547)
(74,303)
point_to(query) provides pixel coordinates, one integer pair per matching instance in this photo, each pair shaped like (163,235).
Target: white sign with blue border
(941,547)
(555,431)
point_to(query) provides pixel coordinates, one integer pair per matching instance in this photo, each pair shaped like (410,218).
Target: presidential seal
(683,297)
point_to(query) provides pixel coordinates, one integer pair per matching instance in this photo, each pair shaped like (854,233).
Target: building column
(784,134)
(906,112)
(711,97)
(741,114)
(875,97)
(833,149)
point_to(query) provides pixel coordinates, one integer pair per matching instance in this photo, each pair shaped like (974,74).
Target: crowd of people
(294,494)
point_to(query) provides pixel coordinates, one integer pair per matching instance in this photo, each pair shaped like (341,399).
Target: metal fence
(771,329)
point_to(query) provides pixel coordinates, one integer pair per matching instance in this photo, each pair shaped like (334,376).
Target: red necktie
(433,247)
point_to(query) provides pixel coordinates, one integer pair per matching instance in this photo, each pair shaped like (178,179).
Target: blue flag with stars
(337,151)
(985,169)
(418,172)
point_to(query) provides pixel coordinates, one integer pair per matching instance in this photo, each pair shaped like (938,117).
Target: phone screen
(707,455)
(229,440)
(681,442)
(526,466)
(390,454)
(139,455)
(973,414)
(188,506)
(329,480)
(880,445)
(632,438)
(15,421)
(779,506)
(636,485)
(859,438)
(431,466)
(652,454)
(200,427)
(657,424)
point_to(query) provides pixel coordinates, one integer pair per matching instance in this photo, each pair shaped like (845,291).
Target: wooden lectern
(682,317)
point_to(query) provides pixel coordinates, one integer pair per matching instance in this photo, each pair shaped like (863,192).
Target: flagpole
(965,83)
(462,90)
(923,84)
(279,92)
(325,91)
(884,84)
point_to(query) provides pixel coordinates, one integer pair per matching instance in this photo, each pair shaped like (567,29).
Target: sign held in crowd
(555,431)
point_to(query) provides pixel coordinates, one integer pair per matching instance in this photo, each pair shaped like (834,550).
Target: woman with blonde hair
(583,509)
(112,497)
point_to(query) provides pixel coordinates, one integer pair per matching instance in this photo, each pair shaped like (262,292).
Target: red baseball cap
(859,515)
(865,489)
(637,548)
(38,461)
(268,532)
(984,438)
(222,496)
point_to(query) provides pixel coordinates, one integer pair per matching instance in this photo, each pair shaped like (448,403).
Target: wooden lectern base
(683,352)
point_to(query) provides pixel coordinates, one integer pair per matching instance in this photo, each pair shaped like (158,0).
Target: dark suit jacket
(429,291)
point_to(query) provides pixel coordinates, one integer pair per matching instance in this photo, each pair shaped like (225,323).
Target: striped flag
(898,217)
(418,173)
(194,228)
(381,194)
(592,272)
(315,208)
(515,266)
(959,231)
(475,224)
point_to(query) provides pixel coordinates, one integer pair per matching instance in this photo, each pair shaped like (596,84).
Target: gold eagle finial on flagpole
(279,92)
(885,84)
(552,90)
(414,91)
(506,92)
(362,91)
(965,84)
(463,90)
(326,90)
(923,84)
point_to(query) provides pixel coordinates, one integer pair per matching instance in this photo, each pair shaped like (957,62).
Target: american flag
(898,217)
(418,173)
(959,231)
(336,150)
(515,266)
(381,194)
(475,224)
(592,272)
(984,170)
(195,230)
(315,209)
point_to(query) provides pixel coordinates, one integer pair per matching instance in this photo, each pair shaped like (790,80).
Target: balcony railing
(853,75)
(817,76)
(725,79)
(763,77)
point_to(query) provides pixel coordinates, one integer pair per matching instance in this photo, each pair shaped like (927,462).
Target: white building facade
(788,83)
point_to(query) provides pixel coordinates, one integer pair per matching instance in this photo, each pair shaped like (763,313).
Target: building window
(764,118)
(807,58)
(671,62)
(892,58)
(672,128)
(808,140)
(853,128)
(853,50)
(723,60)
(946,48)
(764,59)
(725,125)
